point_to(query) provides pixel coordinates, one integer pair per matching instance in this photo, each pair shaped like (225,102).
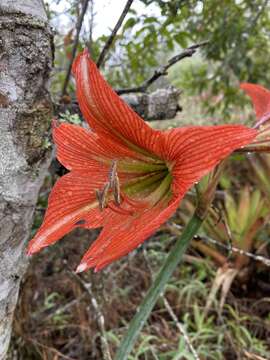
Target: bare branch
(163,69)
(180,328)
(230,248)
(110,40)
(91,25)
(250,148)
(75,45)
(260,258)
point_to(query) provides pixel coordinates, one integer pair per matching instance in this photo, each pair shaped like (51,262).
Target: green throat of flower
(150,185)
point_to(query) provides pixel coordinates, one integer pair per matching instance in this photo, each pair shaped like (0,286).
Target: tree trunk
(25,117)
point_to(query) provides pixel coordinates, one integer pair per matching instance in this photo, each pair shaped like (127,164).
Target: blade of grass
(173,259)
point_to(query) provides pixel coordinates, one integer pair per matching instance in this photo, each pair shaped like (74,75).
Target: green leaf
(130,23)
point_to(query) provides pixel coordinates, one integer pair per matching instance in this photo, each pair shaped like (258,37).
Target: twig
(260,258)
(110,40)
(256,18)
(253,356)
(75,45)
(250,148)
(230,248)
(173,315)
(163,69)
(100,318)
(91,25)
(180,328)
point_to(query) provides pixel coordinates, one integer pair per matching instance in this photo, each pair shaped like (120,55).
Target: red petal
(259,96)
(71,200)
(79,148)
(106,112)
(194,151)
(122,234)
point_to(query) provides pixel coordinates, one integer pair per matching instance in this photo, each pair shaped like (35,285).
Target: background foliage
(238,50)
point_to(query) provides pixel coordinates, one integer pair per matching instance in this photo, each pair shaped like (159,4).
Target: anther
(113,173)
(98,196)
(102,196)
(113,184)
(116,190)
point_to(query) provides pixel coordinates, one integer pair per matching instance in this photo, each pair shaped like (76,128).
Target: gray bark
(159,105)
(25,117)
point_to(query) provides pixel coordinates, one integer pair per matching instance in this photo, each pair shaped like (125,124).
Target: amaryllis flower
(124,176)
(261,101)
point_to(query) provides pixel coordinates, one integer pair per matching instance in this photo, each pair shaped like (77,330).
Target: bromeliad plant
(124,176)
(243,218)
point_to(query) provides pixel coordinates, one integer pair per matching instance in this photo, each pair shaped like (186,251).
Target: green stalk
(173,259)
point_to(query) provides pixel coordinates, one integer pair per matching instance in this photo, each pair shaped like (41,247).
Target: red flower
(261,101)
(125,177)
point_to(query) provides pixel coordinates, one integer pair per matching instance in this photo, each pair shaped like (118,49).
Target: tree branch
(110,40)
(75,45)
(163,69)
(229,248)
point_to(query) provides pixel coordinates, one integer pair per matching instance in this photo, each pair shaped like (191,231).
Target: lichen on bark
(33,130)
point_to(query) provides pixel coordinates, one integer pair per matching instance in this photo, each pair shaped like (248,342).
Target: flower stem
(157,287)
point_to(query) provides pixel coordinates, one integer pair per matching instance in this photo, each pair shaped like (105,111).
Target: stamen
(112,173)
(105,190)
(116,190)
(152,186)
(113,184)
(99,196)
(102,196)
